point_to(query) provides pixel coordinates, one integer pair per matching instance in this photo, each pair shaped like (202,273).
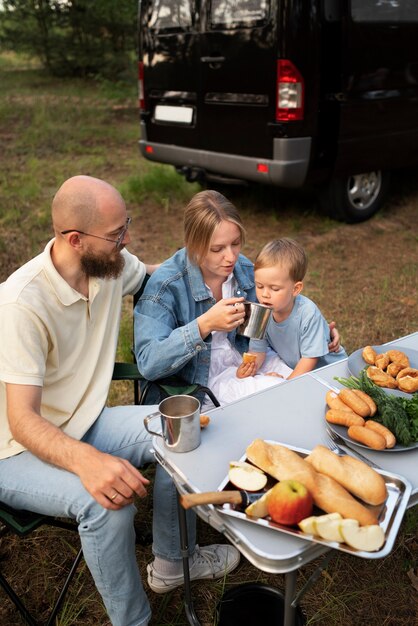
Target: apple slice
(365,538)
(308,525)
(259,507)
(329,529)
(245,476)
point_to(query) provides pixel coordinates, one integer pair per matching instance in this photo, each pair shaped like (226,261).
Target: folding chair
(22,523)
(166,386)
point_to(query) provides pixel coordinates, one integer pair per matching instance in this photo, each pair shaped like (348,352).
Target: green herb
(398,414)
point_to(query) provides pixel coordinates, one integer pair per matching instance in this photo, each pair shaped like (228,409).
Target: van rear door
(197,59)
(169,47)
(238,67)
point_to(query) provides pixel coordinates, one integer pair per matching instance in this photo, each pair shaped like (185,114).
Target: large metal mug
(180,423)
(257,317)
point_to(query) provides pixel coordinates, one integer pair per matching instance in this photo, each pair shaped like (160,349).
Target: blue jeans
(107,537)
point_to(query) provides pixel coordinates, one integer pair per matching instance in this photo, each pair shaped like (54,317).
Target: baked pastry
(369,355)
(381,378)
(397,356)
(382,361)
(408,379)
(248,357)
(394,368)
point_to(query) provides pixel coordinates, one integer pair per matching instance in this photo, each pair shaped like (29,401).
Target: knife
(241,499)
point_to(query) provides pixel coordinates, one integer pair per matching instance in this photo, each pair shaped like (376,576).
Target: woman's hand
(334,345)
(225,315)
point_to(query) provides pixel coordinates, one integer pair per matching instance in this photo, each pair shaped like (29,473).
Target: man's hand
(247,369)
(111,481)
(334,345)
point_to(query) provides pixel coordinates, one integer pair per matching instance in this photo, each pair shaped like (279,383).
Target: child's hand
(246,369)
(274,374)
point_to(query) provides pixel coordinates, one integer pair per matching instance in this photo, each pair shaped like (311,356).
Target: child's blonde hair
(205,211)
(284,252)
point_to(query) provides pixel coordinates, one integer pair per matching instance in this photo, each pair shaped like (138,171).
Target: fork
(334,440)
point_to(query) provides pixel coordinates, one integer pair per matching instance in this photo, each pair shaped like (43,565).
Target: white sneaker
(210,562)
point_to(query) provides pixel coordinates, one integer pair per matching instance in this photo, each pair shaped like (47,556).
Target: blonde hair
(205,211)
(284,252)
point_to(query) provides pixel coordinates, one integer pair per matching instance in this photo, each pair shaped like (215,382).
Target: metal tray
(389,514)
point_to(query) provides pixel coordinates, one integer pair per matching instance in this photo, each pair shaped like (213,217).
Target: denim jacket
(167,338)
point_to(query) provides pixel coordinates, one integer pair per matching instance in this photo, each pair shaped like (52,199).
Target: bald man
(62,451)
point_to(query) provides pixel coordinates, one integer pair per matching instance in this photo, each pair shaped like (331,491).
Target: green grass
(363,276)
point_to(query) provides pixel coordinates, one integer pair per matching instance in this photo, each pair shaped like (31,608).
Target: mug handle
(148,419)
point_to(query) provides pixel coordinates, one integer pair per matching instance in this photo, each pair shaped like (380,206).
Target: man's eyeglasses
(118,242)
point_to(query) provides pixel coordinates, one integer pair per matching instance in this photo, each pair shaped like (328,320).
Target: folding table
(291,413)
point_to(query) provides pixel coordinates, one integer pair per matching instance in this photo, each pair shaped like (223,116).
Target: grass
(364,276)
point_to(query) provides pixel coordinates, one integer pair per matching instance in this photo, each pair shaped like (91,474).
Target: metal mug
(256,319)
(180,423)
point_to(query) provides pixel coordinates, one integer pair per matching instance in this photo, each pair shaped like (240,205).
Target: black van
(285,92)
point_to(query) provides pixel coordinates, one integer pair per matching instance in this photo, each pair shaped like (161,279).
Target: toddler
(297,330)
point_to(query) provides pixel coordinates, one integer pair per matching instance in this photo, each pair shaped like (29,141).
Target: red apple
(289,502)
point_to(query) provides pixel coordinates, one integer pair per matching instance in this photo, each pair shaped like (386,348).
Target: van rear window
(384,10)
(171,14)
(233,13)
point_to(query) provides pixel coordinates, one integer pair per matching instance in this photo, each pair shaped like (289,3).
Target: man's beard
(100,266)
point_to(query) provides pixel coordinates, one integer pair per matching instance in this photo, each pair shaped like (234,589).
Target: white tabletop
(291,413)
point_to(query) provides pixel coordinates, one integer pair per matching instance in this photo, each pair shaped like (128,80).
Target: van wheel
(357,197)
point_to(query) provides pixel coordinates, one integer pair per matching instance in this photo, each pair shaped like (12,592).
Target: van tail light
(141,92)
(290,92)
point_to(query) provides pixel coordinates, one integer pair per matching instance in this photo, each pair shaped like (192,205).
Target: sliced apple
(329,529)
(245,476)
(308,525)
(259,507)
(365,538)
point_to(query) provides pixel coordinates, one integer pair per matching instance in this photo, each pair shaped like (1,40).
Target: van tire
(355,198)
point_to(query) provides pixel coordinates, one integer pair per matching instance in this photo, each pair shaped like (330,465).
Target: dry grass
(363,276)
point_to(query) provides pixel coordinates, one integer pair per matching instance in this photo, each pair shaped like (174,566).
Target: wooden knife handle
(210,497)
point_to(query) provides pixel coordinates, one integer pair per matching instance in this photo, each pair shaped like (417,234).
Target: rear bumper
(288,168)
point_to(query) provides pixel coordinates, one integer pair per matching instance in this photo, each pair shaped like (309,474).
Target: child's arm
(305,364)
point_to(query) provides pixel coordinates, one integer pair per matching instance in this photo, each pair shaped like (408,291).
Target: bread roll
(355,475)
(344,418)
(330,496)
(367,436)
(368,400)
(247,357)
(357,404)
(334,402)
(382,430)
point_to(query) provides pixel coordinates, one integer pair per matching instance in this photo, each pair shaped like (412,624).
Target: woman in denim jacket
(192,294)
(186,320)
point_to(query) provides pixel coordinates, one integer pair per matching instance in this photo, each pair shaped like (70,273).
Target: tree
(73,37)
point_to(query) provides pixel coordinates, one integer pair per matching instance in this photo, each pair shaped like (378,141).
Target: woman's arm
(162,348)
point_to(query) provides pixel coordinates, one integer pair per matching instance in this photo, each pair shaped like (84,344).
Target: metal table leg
(184,545)
(289,594)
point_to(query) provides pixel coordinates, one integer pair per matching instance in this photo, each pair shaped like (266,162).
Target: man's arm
(151,268)
(102,474)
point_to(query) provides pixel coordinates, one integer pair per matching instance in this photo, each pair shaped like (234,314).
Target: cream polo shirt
(53,337)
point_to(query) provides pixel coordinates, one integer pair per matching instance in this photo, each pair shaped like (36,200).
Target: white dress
(225,359)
